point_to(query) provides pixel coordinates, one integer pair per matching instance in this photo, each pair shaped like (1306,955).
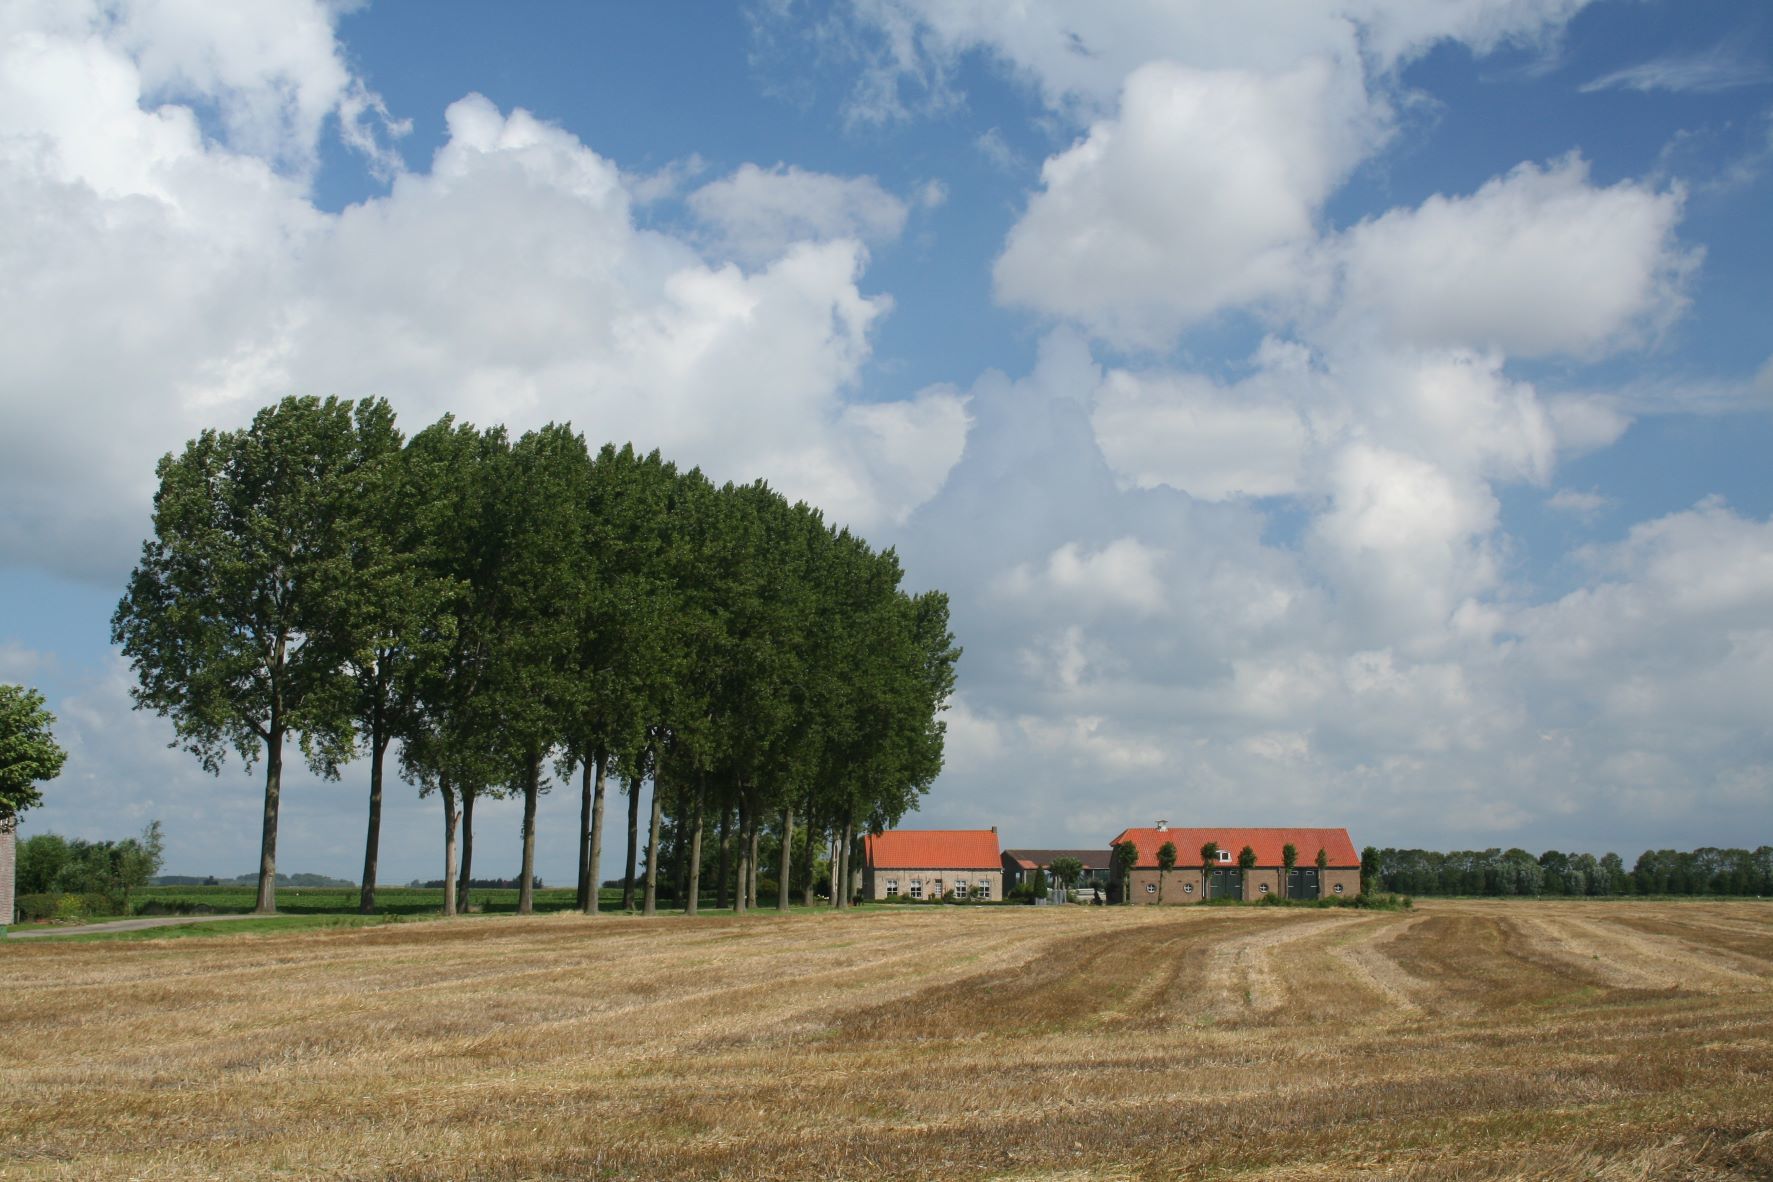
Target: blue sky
(1349,418)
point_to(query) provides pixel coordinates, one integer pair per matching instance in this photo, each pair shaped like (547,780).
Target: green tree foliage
(51,864)
(1122,861)
(1067,870)
(1166,862)
(28,751)
(1493,872)
(382,600)
(447,732)
(1289,859)
(231,620)
(1209,858)
(502,610)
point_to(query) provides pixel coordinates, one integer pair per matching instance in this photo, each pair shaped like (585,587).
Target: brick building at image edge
(1189,882)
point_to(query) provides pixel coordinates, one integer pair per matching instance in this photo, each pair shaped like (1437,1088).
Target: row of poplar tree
(497,610)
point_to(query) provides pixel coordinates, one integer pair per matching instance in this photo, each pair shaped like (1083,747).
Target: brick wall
(8,864)
(1183,884)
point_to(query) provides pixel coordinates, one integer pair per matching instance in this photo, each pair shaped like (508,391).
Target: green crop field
(343,900)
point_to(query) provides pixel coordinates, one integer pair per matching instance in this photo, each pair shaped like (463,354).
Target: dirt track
(119,925)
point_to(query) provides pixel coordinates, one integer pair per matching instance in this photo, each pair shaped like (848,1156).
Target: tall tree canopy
(505,608)
(232,620)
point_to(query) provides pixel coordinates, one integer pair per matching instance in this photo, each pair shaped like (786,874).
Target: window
(917,888)
(1337,888)
(892,887)
(1263,888)
(960,889)
(982,889)
(936,888)
(1188,888)
(1151,888)
(1225,855)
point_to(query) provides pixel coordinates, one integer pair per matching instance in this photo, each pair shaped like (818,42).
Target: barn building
(932,864)
(1190,882)
(1019,864)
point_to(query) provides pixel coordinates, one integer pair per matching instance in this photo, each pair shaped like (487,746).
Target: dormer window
(1225,856)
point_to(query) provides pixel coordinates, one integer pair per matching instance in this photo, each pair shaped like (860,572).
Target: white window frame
(1225,856)
(960,889)
(1337,888)
(892,888)
(982,889)
(1188,888)
(1151,888)
(917,888)
(1263,888)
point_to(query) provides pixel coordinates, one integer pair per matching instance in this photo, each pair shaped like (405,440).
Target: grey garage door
(1302,884)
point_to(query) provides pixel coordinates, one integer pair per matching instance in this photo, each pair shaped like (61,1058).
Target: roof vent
(1162,826)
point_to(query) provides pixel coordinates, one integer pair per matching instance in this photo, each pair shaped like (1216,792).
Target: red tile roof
(934,849)
(1266,843)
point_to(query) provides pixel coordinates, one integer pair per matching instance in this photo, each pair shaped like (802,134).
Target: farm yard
(1463,1039)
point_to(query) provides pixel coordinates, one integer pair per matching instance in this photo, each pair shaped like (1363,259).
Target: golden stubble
(1604,1040)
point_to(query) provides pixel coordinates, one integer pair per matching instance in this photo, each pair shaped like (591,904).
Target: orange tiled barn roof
(1266,842)
(934,849)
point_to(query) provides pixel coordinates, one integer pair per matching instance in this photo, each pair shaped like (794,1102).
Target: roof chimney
(994,829)
(1162,825)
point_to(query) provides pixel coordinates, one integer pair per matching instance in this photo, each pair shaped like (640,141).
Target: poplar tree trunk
(720,882)
(787,865)
(450,818)
(692,899)
(633,844)
(740,896)
(831,873)
(526,887)
(807,897)
(751,862)
(596,858)
(652,853)
(468,798)
(267,904)
(849,857)
(378,750)
(679,849)
(583,899)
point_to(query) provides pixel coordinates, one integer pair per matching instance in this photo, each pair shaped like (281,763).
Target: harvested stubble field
(1460,1040)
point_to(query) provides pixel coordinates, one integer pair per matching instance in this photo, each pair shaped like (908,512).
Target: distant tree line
(499,610)
(51,865)
(1704,871)
(479,884)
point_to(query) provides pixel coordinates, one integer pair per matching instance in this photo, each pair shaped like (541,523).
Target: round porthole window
(1188,888)
(1263,888)
(1151,888)
(1337,888)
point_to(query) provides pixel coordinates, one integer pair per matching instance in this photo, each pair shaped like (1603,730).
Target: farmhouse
(931,864)
(1019,864)
(1190,882)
